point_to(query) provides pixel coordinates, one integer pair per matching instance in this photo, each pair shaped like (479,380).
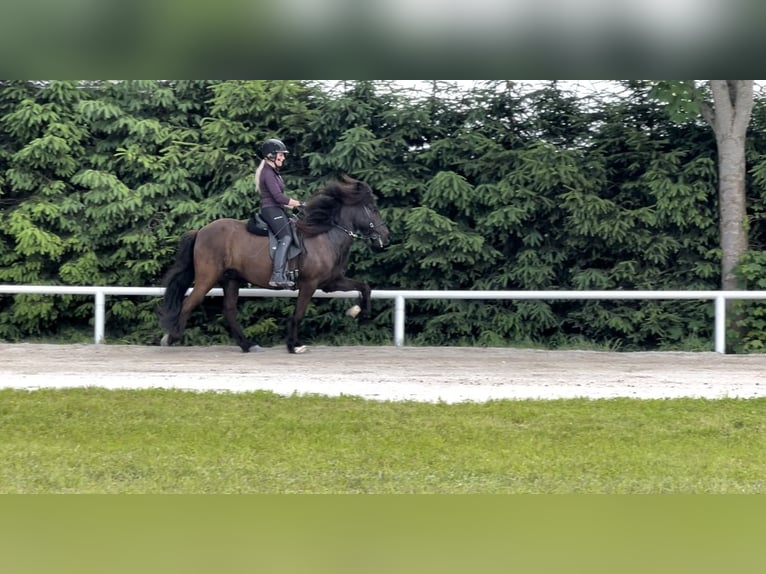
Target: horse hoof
(301,349)
(353,311)
(165,341)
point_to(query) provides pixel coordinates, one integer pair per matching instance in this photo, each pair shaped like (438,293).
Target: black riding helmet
(272,146)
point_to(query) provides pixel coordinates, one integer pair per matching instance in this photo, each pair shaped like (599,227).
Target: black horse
(225,252)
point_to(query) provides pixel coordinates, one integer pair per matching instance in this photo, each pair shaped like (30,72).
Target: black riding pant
(276,218)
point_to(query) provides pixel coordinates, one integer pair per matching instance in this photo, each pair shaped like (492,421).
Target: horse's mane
(323,208)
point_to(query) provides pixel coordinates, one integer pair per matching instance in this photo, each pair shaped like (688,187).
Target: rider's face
(279,159)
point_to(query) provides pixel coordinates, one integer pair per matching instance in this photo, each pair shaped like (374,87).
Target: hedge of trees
(497,185)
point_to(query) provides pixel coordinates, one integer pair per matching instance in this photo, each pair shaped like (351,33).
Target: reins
(354,235)
(350,233)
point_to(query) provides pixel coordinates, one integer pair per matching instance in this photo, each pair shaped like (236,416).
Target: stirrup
(283,283)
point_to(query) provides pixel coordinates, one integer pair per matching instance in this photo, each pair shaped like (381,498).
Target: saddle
(258,226)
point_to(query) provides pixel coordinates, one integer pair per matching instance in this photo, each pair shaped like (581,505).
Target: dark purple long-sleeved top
(272,188)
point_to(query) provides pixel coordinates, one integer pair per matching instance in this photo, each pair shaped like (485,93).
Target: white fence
(719,299)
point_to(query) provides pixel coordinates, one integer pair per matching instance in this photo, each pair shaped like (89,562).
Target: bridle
(370,231)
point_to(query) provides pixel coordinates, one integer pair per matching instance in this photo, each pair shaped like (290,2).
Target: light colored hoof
(353,311)
(164,340)
(301,349)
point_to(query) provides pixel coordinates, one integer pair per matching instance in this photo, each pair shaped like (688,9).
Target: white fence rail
(399,297)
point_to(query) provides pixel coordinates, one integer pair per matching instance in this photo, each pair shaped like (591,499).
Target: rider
(271,187)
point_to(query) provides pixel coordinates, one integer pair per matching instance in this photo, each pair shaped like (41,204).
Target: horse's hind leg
(193,299)
(230,300)
(197,295)
(190,302)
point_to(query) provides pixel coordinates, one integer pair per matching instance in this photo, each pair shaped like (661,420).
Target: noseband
(370,232)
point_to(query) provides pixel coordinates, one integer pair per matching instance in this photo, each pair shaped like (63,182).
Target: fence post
(399,321)
(720,324)
(98,326)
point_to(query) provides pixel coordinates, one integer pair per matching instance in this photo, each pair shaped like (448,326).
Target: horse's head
(347,204)
(366,219)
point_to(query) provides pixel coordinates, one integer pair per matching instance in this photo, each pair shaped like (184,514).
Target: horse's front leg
(348,284)
(293,323)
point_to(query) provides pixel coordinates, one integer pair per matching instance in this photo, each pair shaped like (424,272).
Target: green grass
(162,441)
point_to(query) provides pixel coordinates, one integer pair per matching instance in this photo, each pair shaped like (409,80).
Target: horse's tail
(176,281)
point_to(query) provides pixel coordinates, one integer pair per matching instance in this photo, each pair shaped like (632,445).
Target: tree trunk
(729,118)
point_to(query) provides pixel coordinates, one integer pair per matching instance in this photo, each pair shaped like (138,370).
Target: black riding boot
(278,277)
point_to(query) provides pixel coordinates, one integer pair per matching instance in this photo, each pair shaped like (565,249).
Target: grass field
(159,441)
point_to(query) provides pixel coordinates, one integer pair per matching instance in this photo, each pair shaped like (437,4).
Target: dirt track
(451,374)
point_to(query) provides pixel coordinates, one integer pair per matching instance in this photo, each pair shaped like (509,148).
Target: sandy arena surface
(448,374)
